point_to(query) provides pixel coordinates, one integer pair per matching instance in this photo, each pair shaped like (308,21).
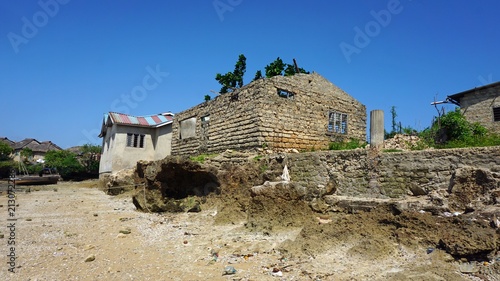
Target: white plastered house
(127,139)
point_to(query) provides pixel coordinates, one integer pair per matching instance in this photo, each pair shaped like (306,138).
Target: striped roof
(143,121)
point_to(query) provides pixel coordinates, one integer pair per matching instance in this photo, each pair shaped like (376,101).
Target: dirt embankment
(450,235)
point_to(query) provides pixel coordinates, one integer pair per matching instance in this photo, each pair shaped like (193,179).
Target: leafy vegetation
(66,163)
(5,151)
(26,154)
(351,144)
(233,80)
(5,167)
(202,157)
(452,130)
(90,158)
(278,67)
(258,75)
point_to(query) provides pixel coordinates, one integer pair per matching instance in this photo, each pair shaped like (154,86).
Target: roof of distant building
(7,141)
(455,98)
(152,121)
(148,121)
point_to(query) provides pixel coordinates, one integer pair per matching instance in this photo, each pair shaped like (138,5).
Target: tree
(393,115)
(90,158)
(5,151)
(233,80)
(278,67)
(258,75)
(64,161)
(275,68)
(290,70)
(207,97)
(26,154)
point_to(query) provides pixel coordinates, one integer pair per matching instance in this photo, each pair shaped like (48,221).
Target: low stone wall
(387,174)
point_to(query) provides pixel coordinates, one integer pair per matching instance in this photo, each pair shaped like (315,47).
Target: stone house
(303,112)
(127,139)
(481,104)
(39,149)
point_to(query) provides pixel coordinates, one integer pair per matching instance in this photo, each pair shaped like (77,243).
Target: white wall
(117,155)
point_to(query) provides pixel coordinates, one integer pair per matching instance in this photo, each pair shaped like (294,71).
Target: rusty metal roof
(143,121)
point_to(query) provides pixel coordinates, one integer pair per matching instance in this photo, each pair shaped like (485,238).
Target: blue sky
(65,63)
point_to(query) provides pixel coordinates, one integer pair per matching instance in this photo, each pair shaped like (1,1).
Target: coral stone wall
(478,107)
(276,113)
(357,173)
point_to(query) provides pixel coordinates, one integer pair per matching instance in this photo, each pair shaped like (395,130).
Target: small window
(337,122)
(135,140)
(205,119)
(187,128)
(496,114)
(285,94)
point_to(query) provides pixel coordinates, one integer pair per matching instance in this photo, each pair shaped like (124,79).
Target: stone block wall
(478,107)
(360,173)
(275,113)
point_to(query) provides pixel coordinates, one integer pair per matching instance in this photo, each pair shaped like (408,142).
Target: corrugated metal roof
(146,121)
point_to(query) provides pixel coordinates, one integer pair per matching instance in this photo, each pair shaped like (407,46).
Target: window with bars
(135,140)
(337,122)
(496,114)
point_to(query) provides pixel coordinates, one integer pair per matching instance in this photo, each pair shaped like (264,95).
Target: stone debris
(402,142)
(125,231)
(90,258)
(229,270)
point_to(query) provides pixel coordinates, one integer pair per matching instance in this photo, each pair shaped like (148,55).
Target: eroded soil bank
(450,234)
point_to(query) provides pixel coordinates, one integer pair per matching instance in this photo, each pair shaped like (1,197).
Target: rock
(229,270)
(2,235)
(417,190)
(121,235)
(279,189)
(277,273)
(472,187)
(125,231)
(469,242)
(195,209)
(95,214)
(495,222)
(90,258)
(468,268)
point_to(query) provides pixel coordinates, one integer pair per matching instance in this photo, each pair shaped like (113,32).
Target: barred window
(337,122)
(496,114)
(285,94)
(135,140)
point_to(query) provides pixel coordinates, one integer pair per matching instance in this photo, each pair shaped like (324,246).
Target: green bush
(34,169)
(351,144)
(452,130)
(65,162)
(6,167)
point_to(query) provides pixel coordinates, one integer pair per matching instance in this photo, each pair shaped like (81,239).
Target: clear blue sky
(64,63)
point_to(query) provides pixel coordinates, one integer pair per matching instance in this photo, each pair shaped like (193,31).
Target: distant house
(39,149)
(481,104)
(127,139)
(7,141)
(303,112)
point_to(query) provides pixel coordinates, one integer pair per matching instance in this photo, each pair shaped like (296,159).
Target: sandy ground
(71,231)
